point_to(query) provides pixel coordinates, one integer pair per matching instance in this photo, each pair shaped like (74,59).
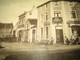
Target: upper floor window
(71,3)
(46,5)
(30,13)
(41,17)
(22,21)
(46,16)
(56,3)
(73,14)
(57,14)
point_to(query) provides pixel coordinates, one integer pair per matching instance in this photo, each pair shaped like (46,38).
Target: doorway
(59,36)
(20,35)
(33,36)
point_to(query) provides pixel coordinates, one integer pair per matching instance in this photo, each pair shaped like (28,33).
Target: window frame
(57,14)
(72,16)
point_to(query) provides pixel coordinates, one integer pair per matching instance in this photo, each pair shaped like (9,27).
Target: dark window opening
(56,3)
(73,14)
(46,16)
(57,14)
(46,32)
(41,32)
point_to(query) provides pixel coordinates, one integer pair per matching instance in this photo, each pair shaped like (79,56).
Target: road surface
(23,51)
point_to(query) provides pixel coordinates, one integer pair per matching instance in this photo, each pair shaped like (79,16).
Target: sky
(11,9)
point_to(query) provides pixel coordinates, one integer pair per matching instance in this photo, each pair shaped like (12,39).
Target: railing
(74,22)
(57,20)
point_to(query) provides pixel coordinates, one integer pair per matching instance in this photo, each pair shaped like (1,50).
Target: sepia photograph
(39,30)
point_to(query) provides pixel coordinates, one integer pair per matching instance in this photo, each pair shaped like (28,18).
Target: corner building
(57,19)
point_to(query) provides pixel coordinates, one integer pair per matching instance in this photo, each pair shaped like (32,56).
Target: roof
(33,21)
(22,14)
(43,4)
(55,1)
(34,26)
(8,25)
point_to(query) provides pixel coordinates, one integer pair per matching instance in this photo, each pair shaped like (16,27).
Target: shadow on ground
(48,55)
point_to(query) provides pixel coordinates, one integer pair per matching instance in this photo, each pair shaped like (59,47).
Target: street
(23,51)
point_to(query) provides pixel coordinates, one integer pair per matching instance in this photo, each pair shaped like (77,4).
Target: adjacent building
(26,26)
(6,30)
(57,19)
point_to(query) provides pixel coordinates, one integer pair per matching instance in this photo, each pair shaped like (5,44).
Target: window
(41,32)
(73,14)
(56,3)
(46,32)
(46,5)
(46,16)
(71,3)
(33,31)
(76,29)
(57,14)
(30,13)
(41,17)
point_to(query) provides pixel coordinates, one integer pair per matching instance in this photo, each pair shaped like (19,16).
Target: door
(59,35)
(33,36)
(20,36)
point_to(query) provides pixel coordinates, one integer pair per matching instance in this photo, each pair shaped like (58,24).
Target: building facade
(57,19)
(26,26)
(6,30)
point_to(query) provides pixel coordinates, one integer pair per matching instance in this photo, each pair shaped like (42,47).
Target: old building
(6,30)
(57,19)
(31,28)
(26,26)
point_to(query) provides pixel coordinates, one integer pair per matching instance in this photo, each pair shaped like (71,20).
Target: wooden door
(59,35)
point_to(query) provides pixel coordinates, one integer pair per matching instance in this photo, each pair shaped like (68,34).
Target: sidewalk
(16,46)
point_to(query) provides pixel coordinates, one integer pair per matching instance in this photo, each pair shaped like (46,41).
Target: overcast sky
(11,9)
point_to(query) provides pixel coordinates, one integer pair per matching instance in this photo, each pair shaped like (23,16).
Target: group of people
(73,40)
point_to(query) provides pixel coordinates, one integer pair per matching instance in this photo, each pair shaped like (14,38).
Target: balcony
(57,20)
(74,22)
(46,23)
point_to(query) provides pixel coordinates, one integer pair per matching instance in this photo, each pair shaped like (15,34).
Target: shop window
(76,29)
(46,5)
